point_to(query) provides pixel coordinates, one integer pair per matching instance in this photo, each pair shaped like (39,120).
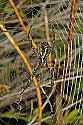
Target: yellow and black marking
(43,51)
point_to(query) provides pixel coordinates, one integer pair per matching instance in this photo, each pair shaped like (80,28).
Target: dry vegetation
(41,60)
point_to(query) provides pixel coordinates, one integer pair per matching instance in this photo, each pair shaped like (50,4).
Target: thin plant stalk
(26,28)
(70,32)
(50,59)
(46,24)
(59,114)
(29,69)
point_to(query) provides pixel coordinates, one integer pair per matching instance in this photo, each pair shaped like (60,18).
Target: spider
(43,51)
(41,54)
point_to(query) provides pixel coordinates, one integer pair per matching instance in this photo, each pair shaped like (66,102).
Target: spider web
(57,20)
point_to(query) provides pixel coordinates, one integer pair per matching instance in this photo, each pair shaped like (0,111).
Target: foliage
(32,14)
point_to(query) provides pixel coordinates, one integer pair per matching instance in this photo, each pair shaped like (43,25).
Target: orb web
(48,21)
